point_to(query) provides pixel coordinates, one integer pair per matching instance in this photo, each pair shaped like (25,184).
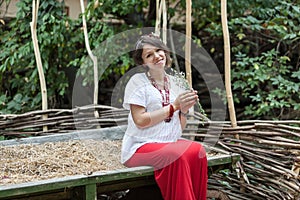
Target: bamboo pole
(92,56)
(227,63)
(33,23)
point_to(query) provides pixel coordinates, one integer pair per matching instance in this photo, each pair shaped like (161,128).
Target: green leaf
(296,74)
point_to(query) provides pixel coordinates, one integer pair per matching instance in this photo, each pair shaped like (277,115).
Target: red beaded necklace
(165,97)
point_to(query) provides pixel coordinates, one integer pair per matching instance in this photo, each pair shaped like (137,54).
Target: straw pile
(32,162)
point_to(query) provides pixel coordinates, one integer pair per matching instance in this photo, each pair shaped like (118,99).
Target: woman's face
(153,57)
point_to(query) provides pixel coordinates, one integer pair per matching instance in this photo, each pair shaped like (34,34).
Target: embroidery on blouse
(166,96)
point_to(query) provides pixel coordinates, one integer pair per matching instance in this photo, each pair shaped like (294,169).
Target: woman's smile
(161,61)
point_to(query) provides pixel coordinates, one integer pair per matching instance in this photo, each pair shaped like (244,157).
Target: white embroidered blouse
(140,91)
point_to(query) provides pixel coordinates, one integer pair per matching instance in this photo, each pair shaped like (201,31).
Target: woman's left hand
(185,101)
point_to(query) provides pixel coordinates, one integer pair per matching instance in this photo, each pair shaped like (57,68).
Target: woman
(158,108)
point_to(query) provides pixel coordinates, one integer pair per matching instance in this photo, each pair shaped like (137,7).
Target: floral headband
(141,40)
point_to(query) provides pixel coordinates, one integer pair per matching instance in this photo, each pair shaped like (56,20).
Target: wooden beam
(91,192)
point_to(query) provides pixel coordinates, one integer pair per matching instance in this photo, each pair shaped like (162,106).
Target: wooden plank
(61,195)
(79,180)
(130,183)
(91,192)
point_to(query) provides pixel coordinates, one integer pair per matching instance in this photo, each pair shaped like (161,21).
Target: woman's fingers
(188,96)
(186,100)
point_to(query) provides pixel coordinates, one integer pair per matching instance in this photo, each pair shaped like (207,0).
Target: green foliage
(269,82)
(265,37)
(19,73)
(61,43)
(115,7)
(264,40)
(101,31)
(269,77)
(108,63)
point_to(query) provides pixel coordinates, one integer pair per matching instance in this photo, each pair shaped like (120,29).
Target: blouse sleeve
(134,92)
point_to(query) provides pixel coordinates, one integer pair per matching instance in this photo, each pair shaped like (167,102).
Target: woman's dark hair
(153,40)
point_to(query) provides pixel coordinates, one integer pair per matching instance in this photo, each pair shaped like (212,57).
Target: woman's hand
(185,101)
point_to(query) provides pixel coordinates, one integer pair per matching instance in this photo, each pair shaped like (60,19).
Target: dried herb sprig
(181,81)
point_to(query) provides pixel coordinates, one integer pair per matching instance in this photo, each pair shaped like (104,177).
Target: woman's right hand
(185,101)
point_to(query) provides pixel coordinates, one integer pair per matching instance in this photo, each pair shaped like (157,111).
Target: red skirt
(180,168)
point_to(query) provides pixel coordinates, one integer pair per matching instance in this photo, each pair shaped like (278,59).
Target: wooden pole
(227,66)
(164,27)
(33,23)
(161,10)
(188,36)
(158,17)
(94,58)
(227,63)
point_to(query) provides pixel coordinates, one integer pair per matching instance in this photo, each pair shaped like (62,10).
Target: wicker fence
(60,120)
(270,158)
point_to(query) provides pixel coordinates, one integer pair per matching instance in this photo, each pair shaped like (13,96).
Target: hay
(33,162)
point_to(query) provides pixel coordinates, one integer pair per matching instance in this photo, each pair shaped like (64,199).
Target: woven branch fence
(270,150)
(270,158)
(61,120)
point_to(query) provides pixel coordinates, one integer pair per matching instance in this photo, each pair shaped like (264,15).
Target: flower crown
(141,40)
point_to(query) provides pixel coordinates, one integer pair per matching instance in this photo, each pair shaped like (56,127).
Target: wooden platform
(89,186)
